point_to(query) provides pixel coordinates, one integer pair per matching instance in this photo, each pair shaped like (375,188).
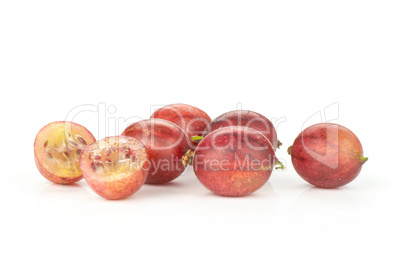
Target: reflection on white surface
(323,215)
(287,217)
(251,215)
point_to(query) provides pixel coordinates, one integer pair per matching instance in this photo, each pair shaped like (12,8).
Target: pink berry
(327,155)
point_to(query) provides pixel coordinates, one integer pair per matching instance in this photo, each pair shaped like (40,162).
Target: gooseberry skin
(327,155)
(57,148)
(166,143)
(115,167)
(245,118)
(220,161)
(189,118)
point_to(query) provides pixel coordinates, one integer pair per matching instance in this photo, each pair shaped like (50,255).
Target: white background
(284,59)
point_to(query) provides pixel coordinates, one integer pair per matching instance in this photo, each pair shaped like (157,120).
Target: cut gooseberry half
(115,167)
(57,149)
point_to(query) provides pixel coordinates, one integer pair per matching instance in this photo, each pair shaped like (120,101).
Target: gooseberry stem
(196,138)
(188,158)
(363,159)
(280,165)
(290,150)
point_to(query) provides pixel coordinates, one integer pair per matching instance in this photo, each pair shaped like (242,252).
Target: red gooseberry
(327,155)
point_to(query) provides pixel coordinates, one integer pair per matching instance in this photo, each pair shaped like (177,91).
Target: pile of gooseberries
(232,155)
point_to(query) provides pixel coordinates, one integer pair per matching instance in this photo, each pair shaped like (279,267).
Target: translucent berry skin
(166,143)
(189,118)
(115,167)
(57,148)
(247,119)
(327,155)
(234,161)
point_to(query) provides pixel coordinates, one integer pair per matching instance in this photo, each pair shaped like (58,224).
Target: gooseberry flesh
(115,167)
(245,118)
(189,118)
(327,155)
(57,148)
(234,161)
(166,143)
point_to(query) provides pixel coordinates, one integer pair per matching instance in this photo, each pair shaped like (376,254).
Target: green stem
(363,159)
(196,138)
(280,165)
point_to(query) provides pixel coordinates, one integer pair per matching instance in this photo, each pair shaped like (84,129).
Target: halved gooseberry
(115,167)
(57,148)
